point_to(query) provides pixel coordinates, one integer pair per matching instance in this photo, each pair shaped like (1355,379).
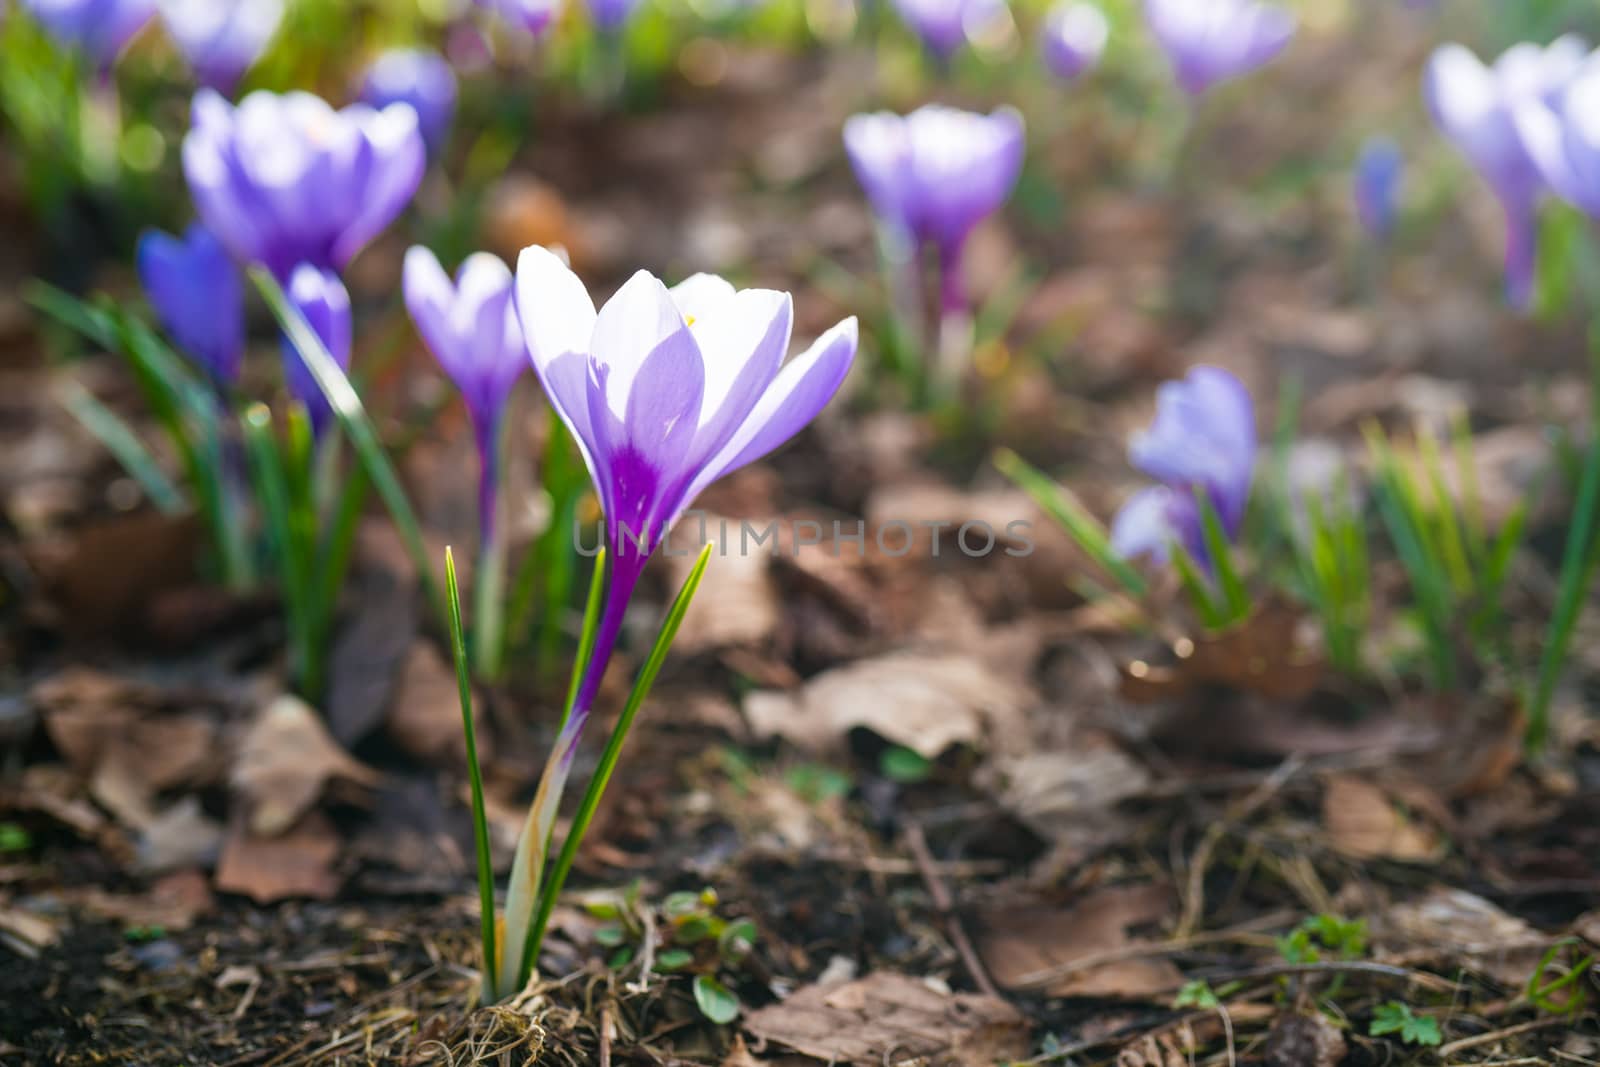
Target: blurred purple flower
(321,297)
(197,295)
(1213,41)
(1073,39)
(1562,136)
(420,78)
(1203,440)
(531,16)
(221,39)
(285,180)
(100,29)
(470,325)
(1474,106)
(936,173)
(944,25)
(611,15)
(1380,169)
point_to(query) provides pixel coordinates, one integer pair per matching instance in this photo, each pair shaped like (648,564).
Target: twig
(1244,933)
(1276,970)
(945,905)
(1500,1035)
(605,1035)
(1194,897)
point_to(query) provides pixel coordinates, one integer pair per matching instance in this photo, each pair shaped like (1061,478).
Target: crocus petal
(196,292)
(743,344)
(322,298)
(399,157)
(558,321)
(1073,38)
(1144,526)
(701,296)
(628,330)
(802,389)
(1203,435)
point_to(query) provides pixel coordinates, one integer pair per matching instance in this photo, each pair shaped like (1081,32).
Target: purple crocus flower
(1562,138)
(100,29)
(285,179)
(665,391)
(1379,172)
(1073,39)
(531,16)
(935,174)
(420,78)
(944,25)
(221,39)
(1212,41)
(611,15)
(1474,106)
(471,327)
(196,292)
(1203,440)
(322,298)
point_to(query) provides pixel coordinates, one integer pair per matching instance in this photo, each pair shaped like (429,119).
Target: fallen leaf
(180,836)
(889,1017)
(1304,1041)
(284,760)
(371,645)
(1158,1050)
(924,702)
(1266,655)
(27,933)
(299,863)
(173,903)
(424,719)
(738,602)
(105,576)
(1463,929)
(1019,940)
(1363,823)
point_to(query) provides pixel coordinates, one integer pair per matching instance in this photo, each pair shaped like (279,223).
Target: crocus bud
(945,25)
(420,78)
(1212,41)
(322,298)
(1203,441)
(1073,39)
(530,16)
(1379,172)
(197,295)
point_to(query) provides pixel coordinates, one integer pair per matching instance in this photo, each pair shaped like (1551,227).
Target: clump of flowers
(1208,42)
(221,39)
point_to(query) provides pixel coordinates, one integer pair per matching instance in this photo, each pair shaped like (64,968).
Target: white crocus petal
(480,287)
(1461,89)
(630,326)
(558,319)
(743,344)
(557,315)
(700,296)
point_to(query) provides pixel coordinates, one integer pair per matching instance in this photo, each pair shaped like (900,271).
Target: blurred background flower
(221,39)
(420,78)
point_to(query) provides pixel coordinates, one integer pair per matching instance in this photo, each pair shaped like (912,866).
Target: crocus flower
(322,298)
(221,39)
(1203,440)
(100,29)
(1073,39)
(1379,171)
(1562,136)
(665,391)
(1474,105)
(196,292)
(285,179)
(531,16)
(611,15)
(944,25)
(935,174)
(420,78)
(471,327)
(1212,41)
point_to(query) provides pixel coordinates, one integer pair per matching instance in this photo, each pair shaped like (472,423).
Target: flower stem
(955,324)
(488,614)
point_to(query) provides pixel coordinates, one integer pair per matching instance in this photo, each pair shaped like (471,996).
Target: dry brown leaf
(1020,940)
(181,836)
(1364,823)
(27,933)
(299,863)
(1305,1041)
(173,903)
(283,762)
(105,577)
(868,1020)
(425,718)
(1464,930)
(1266,655)
(925,702)
(738,602)
(1158,1050)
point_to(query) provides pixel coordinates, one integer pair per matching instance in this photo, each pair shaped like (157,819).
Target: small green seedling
(1397,1018)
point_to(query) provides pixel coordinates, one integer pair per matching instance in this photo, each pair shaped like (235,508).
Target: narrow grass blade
(272,490)
(1235,600)
(480,821)
(1577,563)
(352,416)
(338,545)
(1083,527)
(107,427)
(608,759)
(586,636)
(1213,616)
